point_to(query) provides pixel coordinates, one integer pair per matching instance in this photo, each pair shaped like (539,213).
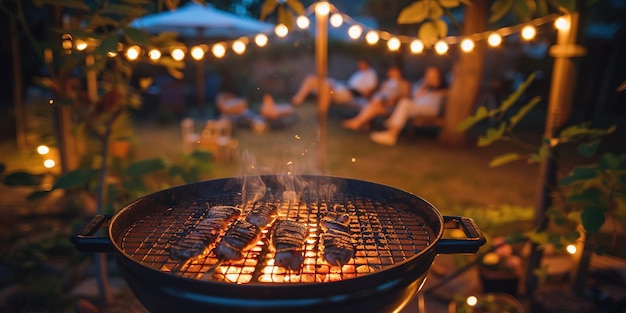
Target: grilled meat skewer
(337,241)
(288,238)
(240,236)
(262,214)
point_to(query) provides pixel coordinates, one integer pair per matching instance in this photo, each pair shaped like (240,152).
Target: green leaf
(428,33)
(296,6)
(538,237)
(449,3)
(578,174)
(268,7)
(588,149)
(134,185)
(179,171)
(415,13)
(523,111)
(610,161)
(145,167)
(591,196)
(75,178)
(108,44)
(593,218)
(524,9)
(22,178)
(98,21)
(285,17)
(542,154)
(491,135)
(137,36)
(201,156)
(499,9)
(442,28)
(481,114)
(39,194)
(504,158)
(2,168)
(435,12)
(511,99)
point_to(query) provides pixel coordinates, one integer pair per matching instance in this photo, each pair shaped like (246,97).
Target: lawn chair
(189,135)
(217,139)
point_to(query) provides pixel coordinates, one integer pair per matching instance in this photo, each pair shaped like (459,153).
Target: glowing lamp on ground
(529,32)
(178,54)
(322,8)
(303,22)
(467,45)
(571,249)
(197,53)
(336,20)
(417,46)
(494,39)
(154,55)
(132,53)
(49,163)
(81,45)
(66,41)
(239,46)
(372,37)
(43,150)
(393,44)
(441,47)
(281,30)
(260,40)
(471,301)
(218,50)
(355,31)
(562,23)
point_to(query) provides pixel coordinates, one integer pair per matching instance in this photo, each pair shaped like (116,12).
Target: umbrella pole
(323,97)
(200,93)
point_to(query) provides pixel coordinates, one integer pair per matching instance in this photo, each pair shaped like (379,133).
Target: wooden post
(323,99)
(200,79)
(18,87)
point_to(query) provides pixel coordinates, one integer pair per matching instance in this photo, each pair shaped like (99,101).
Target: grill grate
(383,236)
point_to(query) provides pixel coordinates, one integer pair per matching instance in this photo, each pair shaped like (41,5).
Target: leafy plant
(285,10)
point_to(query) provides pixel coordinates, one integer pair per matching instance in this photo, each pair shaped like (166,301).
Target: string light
(355,31)
(178,54)
(562,23)
(528,32)
(260,40)
(336,20)
(49,163)
(322,8)
(197,53)
(111,54)
(132,53)
(571,249)
(281,30)
(372,37)
(467,45)
(494,39)
(303,22)
(239,46)
(219,50)
(471,301)
(393,44)
(154,55)
(81,45)
(43,150)
(441,47)
(417,46)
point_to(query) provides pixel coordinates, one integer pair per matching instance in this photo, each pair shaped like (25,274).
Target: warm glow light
(239,46)
(111,54)
(260,40)
(132,53)
(562,23)
(49,163)
(393,44)
(322,8)
(178,54)
(303,22)
(417,46)
(494,39)
(197,53)
(336,20)
(66,42)
(441,47)
(218,50)
(43,150)
(529,32)
(154,55)
(81,45)
(372,37)
(467,45)
(281,30)
(571,249)
(471,301)
(355,31)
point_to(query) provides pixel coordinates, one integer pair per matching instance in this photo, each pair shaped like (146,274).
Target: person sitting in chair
(361,84)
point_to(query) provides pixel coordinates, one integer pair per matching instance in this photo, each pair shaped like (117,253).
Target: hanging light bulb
(43,150)
(260,40)
(132,53)
(177,54)
(467,45)
(336,20)
(154,55)
(562,23)
(322,8)
(471,301)
(355,31)
(239,46)
(571,249)
(529,32)
(494,39)
(49,163)
(81,44)
(417,46)
(197,53)
(372,37)
(303,22)
(393,44)
(218,50)
(441,47)
(281,30)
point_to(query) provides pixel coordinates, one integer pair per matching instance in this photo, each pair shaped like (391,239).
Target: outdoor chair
(217,139)
(189,135)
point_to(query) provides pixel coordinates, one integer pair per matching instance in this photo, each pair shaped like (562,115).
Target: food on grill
(205,233)
(288,238)
(239,237)
(261,215)
(337,241)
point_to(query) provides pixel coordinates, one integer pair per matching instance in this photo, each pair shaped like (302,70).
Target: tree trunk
(18,87)
(467,75)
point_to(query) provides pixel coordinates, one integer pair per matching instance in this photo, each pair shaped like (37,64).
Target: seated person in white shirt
(383,101)
(361,84)
(426,100)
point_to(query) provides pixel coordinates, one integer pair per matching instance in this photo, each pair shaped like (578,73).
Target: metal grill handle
(471,244)
(85,241)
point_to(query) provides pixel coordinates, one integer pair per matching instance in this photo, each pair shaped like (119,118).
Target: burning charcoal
(239,237)
(288,239)
(261,215)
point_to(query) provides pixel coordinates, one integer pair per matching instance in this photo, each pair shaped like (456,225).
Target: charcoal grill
(397,236)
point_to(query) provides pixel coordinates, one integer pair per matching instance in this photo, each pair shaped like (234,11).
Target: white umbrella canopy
(197,20)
